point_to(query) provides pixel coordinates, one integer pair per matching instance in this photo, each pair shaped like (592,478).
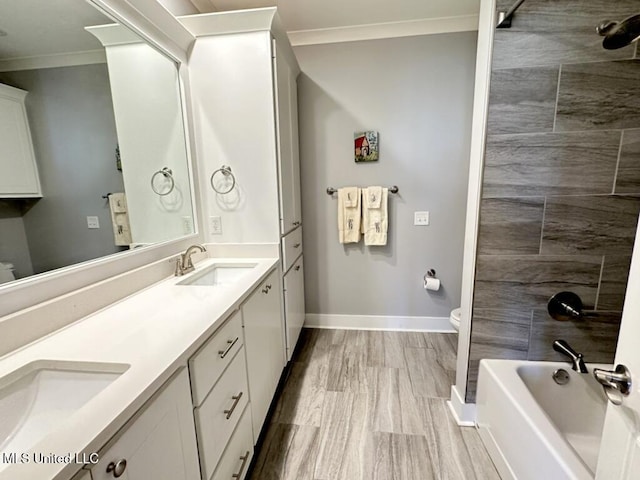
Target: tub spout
(577,360)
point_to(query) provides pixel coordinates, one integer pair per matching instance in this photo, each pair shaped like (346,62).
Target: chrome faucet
(184,264)
(577,360)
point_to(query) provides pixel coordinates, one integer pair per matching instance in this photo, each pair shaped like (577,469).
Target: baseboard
(463,413)
(379,322)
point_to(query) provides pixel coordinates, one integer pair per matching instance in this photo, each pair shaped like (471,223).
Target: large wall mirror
(93,155)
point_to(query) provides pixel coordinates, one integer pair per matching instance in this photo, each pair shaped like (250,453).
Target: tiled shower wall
(561,179)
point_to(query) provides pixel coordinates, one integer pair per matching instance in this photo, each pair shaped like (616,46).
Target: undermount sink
(219,274)
(38,398)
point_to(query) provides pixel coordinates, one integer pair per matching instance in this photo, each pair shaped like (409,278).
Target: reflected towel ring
(226,171)
(167,174)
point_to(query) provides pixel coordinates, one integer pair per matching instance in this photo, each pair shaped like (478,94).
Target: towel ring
(167,174)
(226,171)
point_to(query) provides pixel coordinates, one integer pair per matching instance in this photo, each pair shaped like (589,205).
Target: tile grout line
(544,214)
(561,132)
(555,112)
(595,307)
(567,63)
(615,175)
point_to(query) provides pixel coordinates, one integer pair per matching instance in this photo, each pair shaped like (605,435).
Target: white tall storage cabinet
(243,85)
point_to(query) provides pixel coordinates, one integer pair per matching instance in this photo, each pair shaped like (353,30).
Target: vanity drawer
(218,415)
(291,248)
(206,366)
(237,457)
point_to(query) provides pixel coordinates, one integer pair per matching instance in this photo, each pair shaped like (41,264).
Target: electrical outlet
(93,222)
(215,225)
(187,225)
(421,218)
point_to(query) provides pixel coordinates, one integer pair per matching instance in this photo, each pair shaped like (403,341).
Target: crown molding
(52,61)
(409,28)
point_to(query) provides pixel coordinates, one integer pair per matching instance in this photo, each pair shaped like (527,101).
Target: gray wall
(73,128)
(562,166)
(417,93)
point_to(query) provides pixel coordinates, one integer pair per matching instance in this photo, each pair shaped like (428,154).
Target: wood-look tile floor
(365,405)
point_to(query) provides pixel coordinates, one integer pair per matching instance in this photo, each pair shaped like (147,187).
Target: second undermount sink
(219,274)
(37,398)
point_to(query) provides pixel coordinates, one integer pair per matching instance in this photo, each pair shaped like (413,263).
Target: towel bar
(331,190)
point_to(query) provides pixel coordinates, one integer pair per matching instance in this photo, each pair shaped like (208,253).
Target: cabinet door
(18,172)
(286,96)
(264,344)
(294,304)
(159,443)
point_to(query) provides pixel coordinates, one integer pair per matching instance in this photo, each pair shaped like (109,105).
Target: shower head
(619,34)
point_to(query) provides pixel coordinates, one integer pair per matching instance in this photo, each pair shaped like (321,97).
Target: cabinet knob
(117,468)
(297,245)
(295,224)
(266,288)
(297,267)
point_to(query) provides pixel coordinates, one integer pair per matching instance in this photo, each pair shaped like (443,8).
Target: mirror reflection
(92,144)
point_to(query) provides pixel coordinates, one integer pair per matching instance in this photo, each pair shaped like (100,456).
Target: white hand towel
(349,216)
(373,197)
(352,196)
(375,219)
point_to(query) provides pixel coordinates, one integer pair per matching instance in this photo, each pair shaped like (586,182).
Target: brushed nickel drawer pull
(242,465)
(297,245)
(223,353)
(236,400)
(117,468)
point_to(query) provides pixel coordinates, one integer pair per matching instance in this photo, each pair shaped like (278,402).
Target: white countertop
(155,331)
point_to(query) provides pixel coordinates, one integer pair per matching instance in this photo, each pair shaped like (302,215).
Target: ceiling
(41,27)
(322,14)
(36,28)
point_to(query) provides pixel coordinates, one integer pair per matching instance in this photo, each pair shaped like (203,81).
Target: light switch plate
(421,218)
(93,222)
(215,225)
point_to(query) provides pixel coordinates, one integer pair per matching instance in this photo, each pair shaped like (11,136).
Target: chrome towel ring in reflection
(229,177)
(168,175)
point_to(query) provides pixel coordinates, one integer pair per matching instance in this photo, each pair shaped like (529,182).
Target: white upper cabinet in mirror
(108,143)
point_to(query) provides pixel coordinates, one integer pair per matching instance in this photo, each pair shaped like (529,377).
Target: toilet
(6,272)
(454,318)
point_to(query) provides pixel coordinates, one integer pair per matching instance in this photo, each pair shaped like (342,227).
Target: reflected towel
(120,219)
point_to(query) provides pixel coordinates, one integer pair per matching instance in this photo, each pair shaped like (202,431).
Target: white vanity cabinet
(18,170)
(82,475)
(158,443)
(264,343)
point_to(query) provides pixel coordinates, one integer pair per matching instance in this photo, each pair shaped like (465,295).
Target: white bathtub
(536,429)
